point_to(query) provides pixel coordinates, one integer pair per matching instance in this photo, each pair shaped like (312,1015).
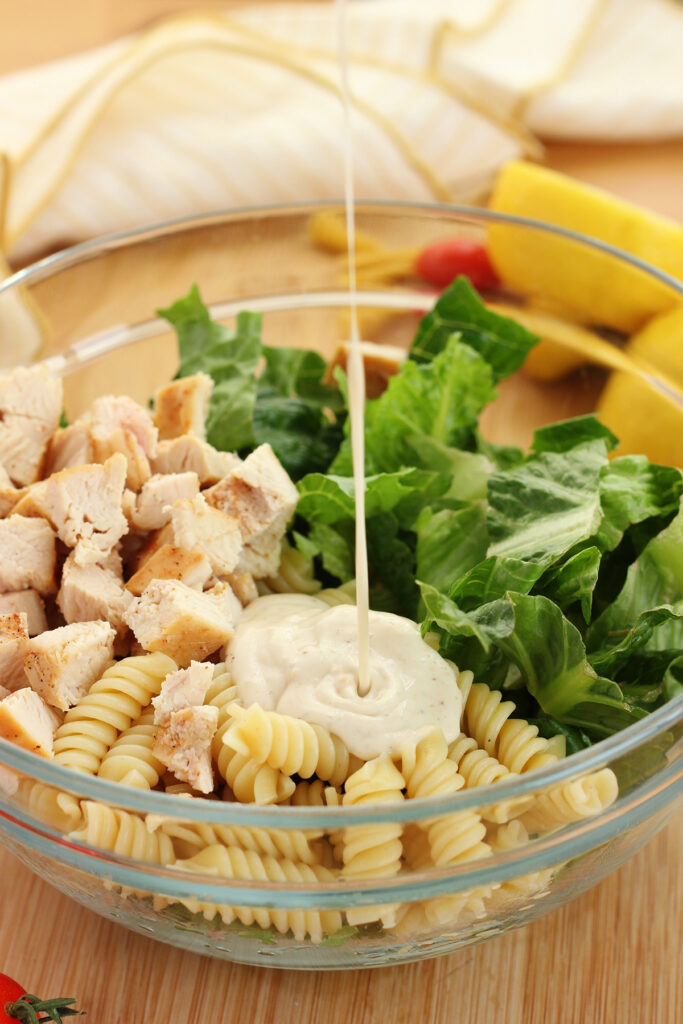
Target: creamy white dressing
(294,655)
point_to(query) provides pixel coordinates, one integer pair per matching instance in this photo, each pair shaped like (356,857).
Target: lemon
(645,419)
(595,286)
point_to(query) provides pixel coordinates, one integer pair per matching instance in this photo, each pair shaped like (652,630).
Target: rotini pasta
(514,742)
(130,760)
(233,862)
(373,851)
(289,744)
(572,801)
(512,836)
(111,705)
(295,574)
(117,831)
(428,771)
(60,811)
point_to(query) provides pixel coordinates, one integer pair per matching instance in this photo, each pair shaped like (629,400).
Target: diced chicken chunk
(260,494)
(25,719)
(70,446)
(91,592)
(119,424)
(30,407)
(190,454)
(181,407)
(3,692)
(9,494)
(184,745)
(179,621)
(243,586)
(380,362)
(28,555)
(28,602)
(83,504)
(196,526)
(153,503)
(185,688)
(13,641)
(170,563)
(62,664)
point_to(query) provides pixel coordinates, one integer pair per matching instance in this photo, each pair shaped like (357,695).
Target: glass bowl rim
(202,809)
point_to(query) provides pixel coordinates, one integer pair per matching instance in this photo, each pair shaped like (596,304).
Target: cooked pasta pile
(265,758)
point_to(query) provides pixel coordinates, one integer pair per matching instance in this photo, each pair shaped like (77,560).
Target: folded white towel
(202,112)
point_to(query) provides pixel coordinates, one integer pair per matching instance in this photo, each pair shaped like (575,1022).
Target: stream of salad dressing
(294,655)
(356,373)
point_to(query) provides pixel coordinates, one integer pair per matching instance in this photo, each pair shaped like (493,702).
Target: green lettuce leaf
(503,343)
(330,499)
(449,543)
(543,508)
(568,434)
(573,579)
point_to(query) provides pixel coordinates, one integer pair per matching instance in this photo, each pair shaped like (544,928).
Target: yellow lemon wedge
(645,418)
(597,287)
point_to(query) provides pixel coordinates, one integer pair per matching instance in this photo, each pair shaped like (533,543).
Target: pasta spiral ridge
(428,771)
(123,833)
(289,744)
(373,851)
(290,844)
(249,781)
(513,741)
(55,808)
(476,766)
(111,705)
(294,575)
(130,760)
(572,801)
(232,862)
(344,594)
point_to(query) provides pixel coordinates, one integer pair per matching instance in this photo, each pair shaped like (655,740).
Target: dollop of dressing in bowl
(295,655)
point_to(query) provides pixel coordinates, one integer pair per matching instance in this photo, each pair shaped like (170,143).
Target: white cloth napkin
(201,112)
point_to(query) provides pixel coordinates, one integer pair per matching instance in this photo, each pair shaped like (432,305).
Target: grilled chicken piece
(28,555)
(184,745)
(31,604)
(30,407)
(185,688)
(190,454)
(181,407)
(261,496)
(181,622)
(83,504)
(13,640)
(25,719)
(62,664)
(70,446)
(91,592)
(153,504)
(171,563)
(119,424)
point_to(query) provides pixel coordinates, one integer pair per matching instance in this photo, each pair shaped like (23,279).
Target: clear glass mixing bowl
(94,309)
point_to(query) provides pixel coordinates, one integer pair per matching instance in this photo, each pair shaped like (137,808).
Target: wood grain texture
(609,956)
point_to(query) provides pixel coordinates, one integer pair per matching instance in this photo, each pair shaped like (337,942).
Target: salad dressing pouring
(356,373)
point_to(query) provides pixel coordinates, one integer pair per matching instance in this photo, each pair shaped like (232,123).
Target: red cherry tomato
(17,1005)
(443,261)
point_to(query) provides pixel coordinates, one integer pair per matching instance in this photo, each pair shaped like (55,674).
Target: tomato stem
(29,1007)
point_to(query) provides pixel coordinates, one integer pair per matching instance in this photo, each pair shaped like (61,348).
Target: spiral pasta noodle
(120,832)
(111,705)
(373,851)
(428,771)
(249,781)
(55,808)
(514,742)
(295,574)
(289,744)
(233,862)
(130,760)
(572,801)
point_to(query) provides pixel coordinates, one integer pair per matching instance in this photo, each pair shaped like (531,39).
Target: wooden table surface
(609,956)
